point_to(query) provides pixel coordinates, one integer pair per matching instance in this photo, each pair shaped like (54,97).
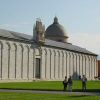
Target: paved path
(51,92)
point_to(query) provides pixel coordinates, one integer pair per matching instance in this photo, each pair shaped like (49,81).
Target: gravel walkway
(51,92)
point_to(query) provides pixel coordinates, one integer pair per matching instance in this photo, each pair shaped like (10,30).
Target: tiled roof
(21,36)
(68,46)
(14,35)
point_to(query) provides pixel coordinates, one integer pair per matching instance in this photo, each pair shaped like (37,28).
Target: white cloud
(86,40)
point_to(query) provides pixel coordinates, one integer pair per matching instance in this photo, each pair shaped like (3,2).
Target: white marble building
(46,55)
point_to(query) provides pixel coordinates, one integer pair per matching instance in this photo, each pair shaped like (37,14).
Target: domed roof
(56,29)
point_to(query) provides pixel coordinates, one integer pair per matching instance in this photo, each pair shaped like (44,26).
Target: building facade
(46,55)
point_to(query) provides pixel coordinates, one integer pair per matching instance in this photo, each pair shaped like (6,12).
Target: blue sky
(81,18)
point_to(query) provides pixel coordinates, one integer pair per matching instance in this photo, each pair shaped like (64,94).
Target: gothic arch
(45,51)
(69,53)
(45,62)
(1,44)
(27,47)
(26,68)
(1,50)
(66,55)
(21,47)
(89,65)
(54,63)
(54,52)
(94,59)
(8,44)
(73,67)
(62,63)
(58,63)
(9,47)
(15,48)
(82,57)
(50,62)
(85,64)
(38,52)
(76,75)
(92,67)
(22,50)
(71,63)
(79,64)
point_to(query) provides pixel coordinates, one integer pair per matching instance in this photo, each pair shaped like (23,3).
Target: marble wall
(18,62)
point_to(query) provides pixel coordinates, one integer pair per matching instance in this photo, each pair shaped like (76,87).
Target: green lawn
(47,85)
(29,96)
(50,85)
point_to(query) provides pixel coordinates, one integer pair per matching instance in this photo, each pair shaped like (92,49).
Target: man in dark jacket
(65,83)
(70,82)
(84,80)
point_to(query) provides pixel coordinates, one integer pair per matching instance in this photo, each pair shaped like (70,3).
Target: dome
(56,32)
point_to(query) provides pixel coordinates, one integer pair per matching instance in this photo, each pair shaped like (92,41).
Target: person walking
(65,83)
(84,80)
(70,82)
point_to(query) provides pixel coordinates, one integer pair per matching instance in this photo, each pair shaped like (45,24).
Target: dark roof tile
(20,36)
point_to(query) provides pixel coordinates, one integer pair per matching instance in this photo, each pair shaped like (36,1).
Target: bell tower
(38,31)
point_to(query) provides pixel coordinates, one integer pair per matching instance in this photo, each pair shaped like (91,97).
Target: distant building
(46,55)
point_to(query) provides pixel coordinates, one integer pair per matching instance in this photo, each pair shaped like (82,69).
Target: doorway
(37,74)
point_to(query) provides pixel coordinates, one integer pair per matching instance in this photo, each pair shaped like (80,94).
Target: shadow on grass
(88,90)
(78,96)
(74,90)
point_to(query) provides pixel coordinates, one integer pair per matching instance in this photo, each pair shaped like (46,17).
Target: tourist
(79,77)
(70,84)
(84,80)
(65,83)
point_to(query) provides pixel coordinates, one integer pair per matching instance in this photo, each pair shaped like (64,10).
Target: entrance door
(37,74)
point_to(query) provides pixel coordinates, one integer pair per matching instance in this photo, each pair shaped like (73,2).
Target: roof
(24,37)
(14,35)
(68,46)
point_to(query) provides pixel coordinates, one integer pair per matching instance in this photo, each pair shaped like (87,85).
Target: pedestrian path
(51,92)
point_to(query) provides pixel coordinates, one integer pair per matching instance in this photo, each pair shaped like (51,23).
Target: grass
(50,85)
(47,85)
(29,96)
